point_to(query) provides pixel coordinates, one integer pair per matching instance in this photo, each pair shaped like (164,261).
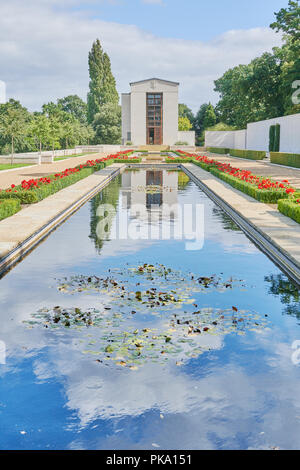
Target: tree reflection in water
(289,293)
(109,195)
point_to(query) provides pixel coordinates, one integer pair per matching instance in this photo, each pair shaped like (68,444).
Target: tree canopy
(184,124)
(185,112)
(102,86)
(264,89)
(288,21)
(75,106)
(107,124)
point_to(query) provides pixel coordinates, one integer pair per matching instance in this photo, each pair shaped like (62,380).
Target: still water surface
(171,368)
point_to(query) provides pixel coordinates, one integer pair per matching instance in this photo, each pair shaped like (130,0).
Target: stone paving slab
(276,227)
(261,168)
(17,175)
(16,229)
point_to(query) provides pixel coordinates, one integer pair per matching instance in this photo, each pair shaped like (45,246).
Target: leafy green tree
(184,124)
(102,86)
(75,106)
(96,75)
(69,132)
(110,94)
(250,93)
(38,130)
(20,143)
(290,74)
(107,124)
(209,117)
(264,89)
(288,21)
(52,109)
(54,133)
(221,126)
(199,118)
(13,126)
(87,134)
(185,112)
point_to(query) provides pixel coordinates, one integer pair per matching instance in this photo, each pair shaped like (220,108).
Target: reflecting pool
(117,342)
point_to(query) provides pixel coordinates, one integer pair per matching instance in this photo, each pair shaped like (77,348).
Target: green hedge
(274,138)
(203,165)
(179,160)
(31,196)
(290,209)
(222,151)
(277,138)
(9,207)
(249,154)
(271,138)
(287,159)
(261,195)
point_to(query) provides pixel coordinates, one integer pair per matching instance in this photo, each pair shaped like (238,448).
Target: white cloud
(160,2)
(44,51)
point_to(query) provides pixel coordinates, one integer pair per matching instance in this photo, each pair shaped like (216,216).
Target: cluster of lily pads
(173,288)
(122,331)
(153,188)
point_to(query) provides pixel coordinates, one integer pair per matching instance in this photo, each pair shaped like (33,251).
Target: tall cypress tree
(96,77)
(110,94)
(102,82)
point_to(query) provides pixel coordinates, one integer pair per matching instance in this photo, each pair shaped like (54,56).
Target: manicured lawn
(8,166)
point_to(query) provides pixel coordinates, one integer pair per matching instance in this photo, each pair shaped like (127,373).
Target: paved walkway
(261,168)
(37,171)
(36,220)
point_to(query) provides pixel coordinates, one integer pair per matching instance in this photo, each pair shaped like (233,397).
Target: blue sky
(188,19)
(44,44)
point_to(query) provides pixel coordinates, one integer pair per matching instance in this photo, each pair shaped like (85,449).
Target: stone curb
(23,248)
(283,259)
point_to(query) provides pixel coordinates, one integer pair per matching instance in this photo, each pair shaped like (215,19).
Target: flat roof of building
(154,78)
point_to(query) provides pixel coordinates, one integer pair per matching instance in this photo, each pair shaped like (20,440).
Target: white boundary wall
(240,140)
(188,137)
(35,158)
(256,137)
(224,139)
(258,134)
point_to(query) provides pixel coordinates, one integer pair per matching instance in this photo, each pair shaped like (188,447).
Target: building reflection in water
(151,189)
(150,199)
(149,209)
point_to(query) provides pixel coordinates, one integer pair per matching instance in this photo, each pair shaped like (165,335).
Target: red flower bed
(34,190)
(244,175)
(37,183)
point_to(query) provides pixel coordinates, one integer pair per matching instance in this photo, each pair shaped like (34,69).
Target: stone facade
(156,96)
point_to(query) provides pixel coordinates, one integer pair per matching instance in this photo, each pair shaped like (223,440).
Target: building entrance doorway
(154,136)
(154,118)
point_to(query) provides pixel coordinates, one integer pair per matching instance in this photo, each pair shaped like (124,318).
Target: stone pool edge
(275,234)
(16,243)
